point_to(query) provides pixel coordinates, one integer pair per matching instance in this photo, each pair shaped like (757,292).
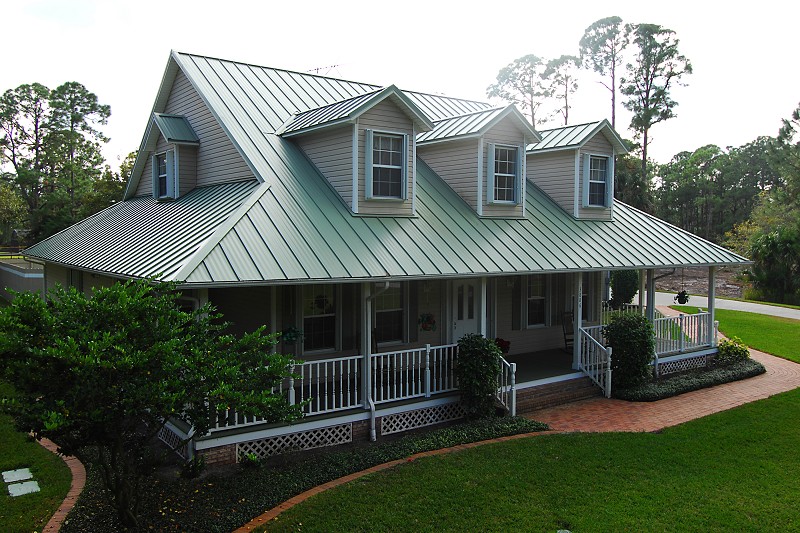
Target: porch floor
(532,366)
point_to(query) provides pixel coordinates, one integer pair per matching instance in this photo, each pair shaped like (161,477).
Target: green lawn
(733,471)
(775,335)
(29,512)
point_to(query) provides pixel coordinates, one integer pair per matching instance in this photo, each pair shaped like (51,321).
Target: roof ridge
(572,125)
(478,112)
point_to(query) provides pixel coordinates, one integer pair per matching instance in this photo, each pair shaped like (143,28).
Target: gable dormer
(366,148)
(574,165)
(481,155)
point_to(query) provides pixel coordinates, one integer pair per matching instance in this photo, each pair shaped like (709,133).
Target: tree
(601,47)
(559,76)
(110,370)
(108,189)
(12,212)
(630,186)
(786,154)
(657,67)
(521,83)
(624,286)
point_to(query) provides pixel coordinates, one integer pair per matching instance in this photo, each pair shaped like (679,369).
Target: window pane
(470,302)
(537,303)
(460,304)
(505,174)
(389,326)
(598,176)
(387,166)
(319,317)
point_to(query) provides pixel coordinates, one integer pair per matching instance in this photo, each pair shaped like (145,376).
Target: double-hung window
(386,165)
(504,172)
(389,319)
(537,301)
(164,175)
(598,185)
(319,317)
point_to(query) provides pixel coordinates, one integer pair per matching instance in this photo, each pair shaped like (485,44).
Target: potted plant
(503,344)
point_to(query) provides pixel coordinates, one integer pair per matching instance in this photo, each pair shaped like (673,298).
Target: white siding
(456,162)
(385,116)
(505,132)
(332,152)
(597,145)
(554,173)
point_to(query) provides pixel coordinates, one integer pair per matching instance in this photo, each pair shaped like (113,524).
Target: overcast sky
(746,75)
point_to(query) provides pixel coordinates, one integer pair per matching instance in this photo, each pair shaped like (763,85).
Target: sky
(746,76)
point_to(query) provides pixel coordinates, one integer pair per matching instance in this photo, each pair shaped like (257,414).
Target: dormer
(574,165)
(481,155)
(366,148)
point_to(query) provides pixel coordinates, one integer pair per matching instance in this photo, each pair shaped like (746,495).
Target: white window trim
(519,176)
(547,302)
(609,198)
(337,313)
(404,297)
(368,165)
(171,156)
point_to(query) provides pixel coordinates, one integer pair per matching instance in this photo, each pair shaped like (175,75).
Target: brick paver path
(76,486)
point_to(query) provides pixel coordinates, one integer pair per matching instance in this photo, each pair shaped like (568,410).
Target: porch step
(554,394)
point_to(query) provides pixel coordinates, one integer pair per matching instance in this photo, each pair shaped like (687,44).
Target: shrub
(631,337)
(477,368)
(731,351)
(624,285)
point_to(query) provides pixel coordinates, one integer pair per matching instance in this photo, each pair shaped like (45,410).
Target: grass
(29,512)
(732,471)
(775,335)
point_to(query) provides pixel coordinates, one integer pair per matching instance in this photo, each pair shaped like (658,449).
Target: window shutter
(154,163)
(586,166)
(367,164)
(516,304)
(610,181)
(171,174)
(520,189)
(490,173)
(404,184)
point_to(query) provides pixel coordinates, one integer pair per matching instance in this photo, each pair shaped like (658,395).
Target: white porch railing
(507,386)
(595,357)
(682,333)
(414,373)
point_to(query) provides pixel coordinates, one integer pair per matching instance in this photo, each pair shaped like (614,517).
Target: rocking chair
(568,325)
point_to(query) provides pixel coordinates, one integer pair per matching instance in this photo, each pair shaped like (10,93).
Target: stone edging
(76,486)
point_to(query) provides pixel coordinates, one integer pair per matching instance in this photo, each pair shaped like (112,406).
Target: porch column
(273,313)
(483,329)
(651,295)
(366,342)
(577,286)
(642,275)
(712,294)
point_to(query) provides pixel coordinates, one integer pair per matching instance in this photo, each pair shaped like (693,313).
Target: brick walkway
(75,488)
(601,414)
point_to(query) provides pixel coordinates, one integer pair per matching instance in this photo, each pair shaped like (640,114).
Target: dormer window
(164,174)
(386,165)
(504,174)
(597,185)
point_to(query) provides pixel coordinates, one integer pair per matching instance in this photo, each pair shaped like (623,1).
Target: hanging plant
(291,335)
(682,297)
(427,322)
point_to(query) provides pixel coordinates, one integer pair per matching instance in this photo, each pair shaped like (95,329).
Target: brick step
(556,394)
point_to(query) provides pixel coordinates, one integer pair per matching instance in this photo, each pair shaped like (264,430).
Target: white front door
(465,308)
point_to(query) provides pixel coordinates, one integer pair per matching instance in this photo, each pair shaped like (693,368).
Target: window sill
(596,207)
(536,326)
(385,199)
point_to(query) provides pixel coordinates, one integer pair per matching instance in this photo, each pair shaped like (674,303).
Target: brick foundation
(361,429)
(221,455)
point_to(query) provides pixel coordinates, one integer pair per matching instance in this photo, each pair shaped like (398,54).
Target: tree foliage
(522,83)
(601,48)
(630,186)
(50,144)
(657,67)
(110,370)
(560,76)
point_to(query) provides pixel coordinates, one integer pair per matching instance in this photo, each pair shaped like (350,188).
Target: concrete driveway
(666,298)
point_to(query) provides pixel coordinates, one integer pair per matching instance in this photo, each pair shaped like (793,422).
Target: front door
(465,308)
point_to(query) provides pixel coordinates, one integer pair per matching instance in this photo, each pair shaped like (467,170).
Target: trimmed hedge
(223,503)
(687,382)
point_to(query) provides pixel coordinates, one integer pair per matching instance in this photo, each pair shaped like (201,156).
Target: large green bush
(477,368)
(632,338)
(624,286)
(731,351)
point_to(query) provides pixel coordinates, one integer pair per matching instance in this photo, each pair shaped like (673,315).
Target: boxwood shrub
(631,338)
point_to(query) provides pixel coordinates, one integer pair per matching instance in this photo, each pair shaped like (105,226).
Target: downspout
(373,436)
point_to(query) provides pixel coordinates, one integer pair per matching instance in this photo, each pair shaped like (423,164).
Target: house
(384,224)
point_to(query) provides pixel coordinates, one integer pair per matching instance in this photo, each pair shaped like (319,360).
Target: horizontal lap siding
(385,116)
(456,162)
(527,340)
(597,145)
(554,173)
(332,153)
(218,160)
(187,169)
(505,132)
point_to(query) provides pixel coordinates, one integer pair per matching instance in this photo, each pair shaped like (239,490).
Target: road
(666,298)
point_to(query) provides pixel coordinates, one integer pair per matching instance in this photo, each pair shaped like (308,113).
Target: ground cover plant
(224,500)
(774,335)
(732,471)
(29,512)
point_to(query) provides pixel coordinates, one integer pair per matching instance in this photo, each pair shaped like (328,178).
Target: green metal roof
(292,227)
(475,124)
(572,137)
(175,129)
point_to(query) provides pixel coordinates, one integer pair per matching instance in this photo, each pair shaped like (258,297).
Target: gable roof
(348,111)
(572,137)
(476,124)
